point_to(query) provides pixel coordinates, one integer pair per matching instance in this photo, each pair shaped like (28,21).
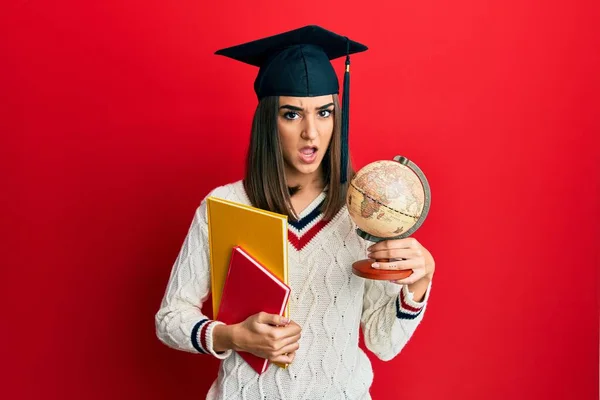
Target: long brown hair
(265,181)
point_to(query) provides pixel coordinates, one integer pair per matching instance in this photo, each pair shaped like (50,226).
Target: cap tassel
(345,117)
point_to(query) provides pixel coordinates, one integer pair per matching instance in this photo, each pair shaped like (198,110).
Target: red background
(116,119)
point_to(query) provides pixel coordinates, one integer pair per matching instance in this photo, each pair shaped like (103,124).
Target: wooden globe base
(363,269)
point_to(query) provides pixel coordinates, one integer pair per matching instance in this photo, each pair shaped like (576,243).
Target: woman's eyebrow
(325,106)
(293,108)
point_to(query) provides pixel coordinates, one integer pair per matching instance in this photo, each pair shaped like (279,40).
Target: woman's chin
(307,169)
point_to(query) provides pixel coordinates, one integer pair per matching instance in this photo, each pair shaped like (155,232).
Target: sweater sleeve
(180,323)
(390,317)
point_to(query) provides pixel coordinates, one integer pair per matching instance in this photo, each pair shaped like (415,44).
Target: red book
(249,289)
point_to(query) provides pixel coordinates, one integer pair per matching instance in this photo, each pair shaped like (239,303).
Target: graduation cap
(297,63)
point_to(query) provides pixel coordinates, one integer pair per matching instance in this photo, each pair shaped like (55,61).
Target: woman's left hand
(404,254)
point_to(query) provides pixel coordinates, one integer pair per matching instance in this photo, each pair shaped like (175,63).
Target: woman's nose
(309,131)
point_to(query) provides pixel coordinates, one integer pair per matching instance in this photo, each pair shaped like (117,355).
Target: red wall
(117,119)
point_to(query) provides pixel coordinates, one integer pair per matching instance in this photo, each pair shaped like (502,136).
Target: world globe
(387,199)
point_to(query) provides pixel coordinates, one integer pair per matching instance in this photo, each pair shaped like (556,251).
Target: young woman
(297,165)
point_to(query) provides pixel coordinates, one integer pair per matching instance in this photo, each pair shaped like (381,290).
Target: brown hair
(265,181)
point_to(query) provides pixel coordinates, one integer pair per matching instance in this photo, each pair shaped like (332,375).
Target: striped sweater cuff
(202,338)
(406,307)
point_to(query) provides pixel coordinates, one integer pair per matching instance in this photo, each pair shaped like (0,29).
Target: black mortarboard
(297,63)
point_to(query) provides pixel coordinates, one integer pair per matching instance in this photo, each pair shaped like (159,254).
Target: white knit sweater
(327,301)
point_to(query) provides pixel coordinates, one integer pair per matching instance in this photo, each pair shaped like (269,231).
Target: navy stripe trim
(302,222)
(401,314)
(195,336)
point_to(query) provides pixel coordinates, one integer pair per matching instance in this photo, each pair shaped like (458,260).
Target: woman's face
(305,126)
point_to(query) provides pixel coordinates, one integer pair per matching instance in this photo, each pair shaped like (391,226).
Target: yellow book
(261,233)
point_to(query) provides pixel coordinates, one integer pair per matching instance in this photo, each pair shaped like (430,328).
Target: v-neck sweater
(327,300)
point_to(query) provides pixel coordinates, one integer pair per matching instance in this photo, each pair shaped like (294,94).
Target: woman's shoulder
(233,191)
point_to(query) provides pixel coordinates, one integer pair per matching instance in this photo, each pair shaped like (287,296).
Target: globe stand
(363,268)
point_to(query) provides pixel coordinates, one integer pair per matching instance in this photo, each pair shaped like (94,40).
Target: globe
(387,199)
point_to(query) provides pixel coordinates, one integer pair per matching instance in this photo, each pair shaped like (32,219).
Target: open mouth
(308,151)
(308,154)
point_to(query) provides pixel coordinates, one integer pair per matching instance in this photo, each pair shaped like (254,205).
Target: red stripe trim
(300,242)
(406,306)
(202,336)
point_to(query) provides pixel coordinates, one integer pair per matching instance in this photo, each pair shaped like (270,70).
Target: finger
(289,330)
(272,319)
(396,265)
(396,253)
(288,341)
(405,243)
(290,348)
(284,358)
(277,333)
(294,327)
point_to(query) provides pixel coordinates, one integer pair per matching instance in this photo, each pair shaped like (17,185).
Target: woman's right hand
(269,336)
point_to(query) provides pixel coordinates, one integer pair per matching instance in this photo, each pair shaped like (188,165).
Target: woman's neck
(307,183)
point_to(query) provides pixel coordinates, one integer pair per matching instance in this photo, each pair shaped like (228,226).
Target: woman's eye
(291,115)
(325,113)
